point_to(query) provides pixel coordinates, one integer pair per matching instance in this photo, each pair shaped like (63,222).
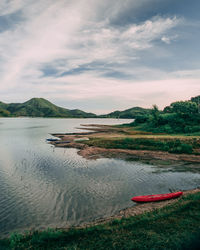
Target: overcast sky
(100,55)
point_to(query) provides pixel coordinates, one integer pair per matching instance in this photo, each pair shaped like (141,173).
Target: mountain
(39,107)
(128,113)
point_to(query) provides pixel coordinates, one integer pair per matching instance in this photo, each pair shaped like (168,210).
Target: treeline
(178,117)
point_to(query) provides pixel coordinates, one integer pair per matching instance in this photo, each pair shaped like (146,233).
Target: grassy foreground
(176,226)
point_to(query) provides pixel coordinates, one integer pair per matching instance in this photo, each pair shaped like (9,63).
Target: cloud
(11,6)
(141,36)
(166,39)
(73,90)
(48,38)
(71,50)
(169,39)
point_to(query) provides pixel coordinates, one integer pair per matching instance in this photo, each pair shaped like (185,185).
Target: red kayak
(156,197)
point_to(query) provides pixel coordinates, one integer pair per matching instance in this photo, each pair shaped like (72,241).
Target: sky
(100,55)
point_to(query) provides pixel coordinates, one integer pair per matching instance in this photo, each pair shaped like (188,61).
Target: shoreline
(148,156)
(137,209)
(77,140)
(142,229)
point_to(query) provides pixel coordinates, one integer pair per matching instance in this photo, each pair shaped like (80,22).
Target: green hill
(128,113)
(39,107)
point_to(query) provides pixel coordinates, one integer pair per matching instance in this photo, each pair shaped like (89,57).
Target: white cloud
(62,31)
(169,39)
(166,39)
(141,36)
(69,34)
(119,94)
(10,6)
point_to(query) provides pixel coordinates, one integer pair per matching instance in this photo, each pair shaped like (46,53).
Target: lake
(42,186)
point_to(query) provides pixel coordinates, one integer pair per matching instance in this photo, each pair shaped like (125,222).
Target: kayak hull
(156,197)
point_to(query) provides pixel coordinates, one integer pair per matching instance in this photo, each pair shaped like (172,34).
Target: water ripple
(42,186)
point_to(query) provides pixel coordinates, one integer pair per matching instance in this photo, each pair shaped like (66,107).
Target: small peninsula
(167,136)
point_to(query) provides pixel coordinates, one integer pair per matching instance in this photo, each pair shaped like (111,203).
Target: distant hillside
(39,107)
(128,113)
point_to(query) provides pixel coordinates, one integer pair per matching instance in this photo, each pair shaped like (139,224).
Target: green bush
(179,117)
(141,119)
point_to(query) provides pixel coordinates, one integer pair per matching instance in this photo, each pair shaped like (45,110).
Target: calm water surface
(42,186)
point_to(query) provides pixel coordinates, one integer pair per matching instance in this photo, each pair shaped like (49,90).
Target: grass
(168,144)
(146,128)
(173,227)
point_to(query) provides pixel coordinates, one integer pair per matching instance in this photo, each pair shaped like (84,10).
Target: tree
(183,107)
(4,112)
(155,114)
(197,100)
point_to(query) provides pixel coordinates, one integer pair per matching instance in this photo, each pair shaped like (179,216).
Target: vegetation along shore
(125,143)
(170,135)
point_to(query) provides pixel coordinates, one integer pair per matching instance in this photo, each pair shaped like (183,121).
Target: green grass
(173,227)
(172,145)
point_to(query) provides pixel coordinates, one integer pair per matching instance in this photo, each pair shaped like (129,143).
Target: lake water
(42,186)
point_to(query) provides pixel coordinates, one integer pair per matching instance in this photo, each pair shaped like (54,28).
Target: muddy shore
(76,140)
